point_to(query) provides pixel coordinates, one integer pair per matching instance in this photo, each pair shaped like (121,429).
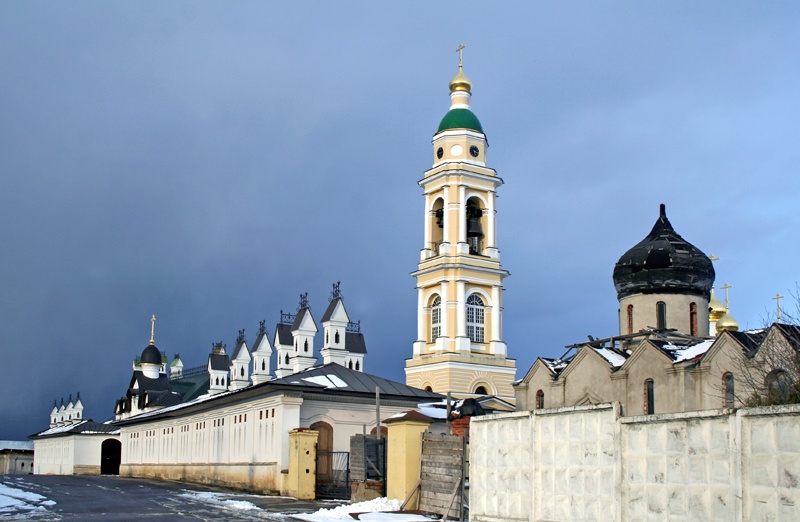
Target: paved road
(123,499)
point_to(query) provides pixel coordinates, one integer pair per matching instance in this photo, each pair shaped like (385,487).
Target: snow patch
(343,512)
(328,381)
(218,500)
(13,499)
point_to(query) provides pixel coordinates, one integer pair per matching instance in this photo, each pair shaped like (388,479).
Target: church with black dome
(678,347)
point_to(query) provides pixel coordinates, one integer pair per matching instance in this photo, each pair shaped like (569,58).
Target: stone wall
(589,463)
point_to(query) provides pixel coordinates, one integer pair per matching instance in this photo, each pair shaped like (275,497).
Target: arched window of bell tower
(436,318)
(476,318)
(436,225)
(475,225)
(661,315)
(630,318)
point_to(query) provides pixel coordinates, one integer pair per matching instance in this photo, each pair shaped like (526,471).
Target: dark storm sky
(207,162)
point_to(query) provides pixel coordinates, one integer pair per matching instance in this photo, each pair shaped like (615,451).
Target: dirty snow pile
(215,498)
(13,499)
(343,512)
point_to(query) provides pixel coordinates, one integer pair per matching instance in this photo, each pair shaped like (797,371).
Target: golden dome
(716,309)
(727,322)
(460,82)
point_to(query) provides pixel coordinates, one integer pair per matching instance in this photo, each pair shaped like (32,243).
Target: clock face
(473,151)
(456,150)
(439,152)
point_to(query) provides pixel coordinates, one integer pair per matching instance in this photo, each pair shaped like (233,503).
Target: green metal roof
(460,119)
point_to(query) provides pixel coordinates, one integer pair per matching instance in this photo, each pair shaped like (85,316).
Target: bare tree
(771,374)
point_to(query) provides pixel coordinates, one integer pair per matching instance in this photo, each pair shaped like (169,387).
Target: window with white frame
(475,318)
(436,318)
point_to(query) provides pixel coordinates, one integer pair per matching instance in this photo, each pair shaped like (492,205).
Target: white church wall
(587,463)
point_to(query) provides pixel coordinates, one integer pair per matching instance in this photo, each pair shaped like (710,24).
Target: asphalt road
(124,499)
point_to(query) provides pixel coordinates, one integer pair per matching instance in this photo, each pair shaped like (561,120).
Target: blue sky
(207,162)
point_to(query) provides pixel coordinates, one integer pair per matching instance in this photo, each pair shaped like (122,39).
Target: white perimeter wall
(588,463)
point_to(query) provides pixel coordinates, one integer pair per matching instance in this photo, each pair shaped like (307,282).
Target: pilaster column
(461,310)
(462,214)
(420,314)
(497,325)
(446,215)
(429,220)
(491,242)
(445,315)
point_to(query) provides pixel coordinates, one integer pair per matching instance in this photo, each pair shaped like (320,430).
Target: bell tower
(459,346)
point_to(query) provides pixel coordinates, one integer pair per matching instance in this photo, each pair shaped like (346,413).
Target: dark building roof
(750,340)
(298,319)
(85,427)
(219,361)
(663,263)
(331,307)
(792,334)
(283,332)
(238,349)
(335,377)
(147,384)
(150,355)
(354,342)
(261,336)
(193,386)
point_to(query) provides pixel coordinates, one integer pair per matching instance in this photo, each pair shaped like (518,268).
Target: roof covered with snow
(84,427)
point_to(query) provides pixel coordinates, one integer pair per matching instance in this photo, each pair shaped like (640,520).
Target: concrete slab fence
(589,463)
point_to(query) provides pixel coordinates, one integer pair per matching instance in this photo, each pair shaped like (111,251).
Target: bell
(474,227)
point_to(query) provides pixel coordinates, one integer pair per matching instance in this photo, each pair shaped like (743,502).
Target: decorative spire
(240,338)
(335,293)
(778,298)
(303,302)
(152,329)
(460,82)
(78,397)
(726,287)
(262,327)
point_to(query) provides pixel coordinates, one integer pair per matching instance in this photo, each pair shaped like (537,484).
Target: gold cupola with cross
(459,346)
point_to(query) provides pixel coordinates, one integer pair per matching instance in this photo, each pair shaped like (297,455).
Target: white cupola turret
(54,414)
(335,322)
(218,367)
(176,367)
(262,351)
(303,331)
(240,364)
(62,416)
(151,361)
(284,345)
(78,408)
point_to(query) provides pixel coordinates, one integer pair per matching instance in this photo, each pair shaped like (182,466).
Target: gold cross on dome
(778,298)
(725,287)
(152,329)
(460,50)
(713,258)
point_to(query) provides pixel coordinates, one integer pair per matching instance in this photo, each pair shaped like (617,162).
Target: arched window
(630,318)
(263,365)
(481,390)
(241,371)
(649,397)
(693,319)
(539,400)
(428,389)
(436,318)
(350,364)
(727,383)
(286,359)
(336,337)
(357,367)
(661,315)
(305,346)
(475,318)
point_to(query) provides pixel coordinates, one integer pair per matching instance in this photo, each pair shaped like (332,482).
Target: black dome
(663,263)
(150,355)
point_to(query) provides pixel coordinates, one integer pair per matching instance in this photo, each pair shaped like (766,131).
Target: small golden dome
(716,309)
(460,82)
(727,322)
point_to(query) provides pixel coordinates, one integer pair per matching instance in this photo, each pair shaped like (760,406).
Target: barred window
(475,318)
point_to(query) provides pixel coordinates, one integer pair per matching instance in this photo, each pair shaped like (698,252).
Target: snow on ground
(215,498)
(343,512)
(14,499)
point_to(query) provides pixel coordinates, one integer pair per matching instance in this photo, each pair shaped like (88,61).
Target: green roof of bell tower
(460,119)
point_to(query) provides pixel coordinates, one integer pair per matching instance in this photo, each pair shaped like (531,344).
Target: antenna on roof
(152,329)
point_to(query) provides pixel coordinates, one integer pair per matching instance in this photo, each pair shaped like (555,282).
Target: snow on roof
(61,429)
(328,381)
(555,365)
(614,358)
(16,445)
(684,353)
